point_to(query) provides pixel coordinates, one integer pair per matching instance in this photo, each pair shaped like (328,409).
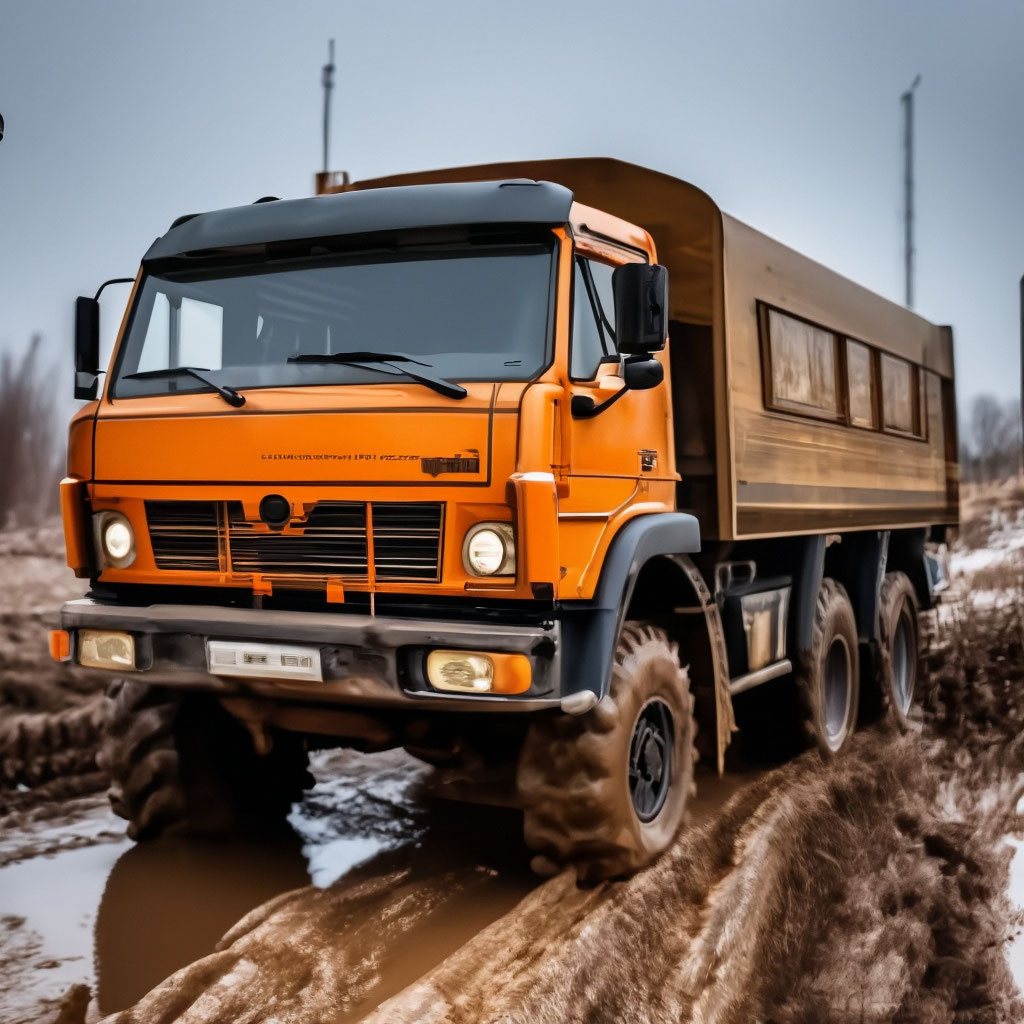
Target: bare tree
(993,450)
(30,452)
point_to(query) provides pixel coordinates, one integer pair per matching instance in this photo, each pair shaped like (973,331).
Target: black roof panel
(363,212)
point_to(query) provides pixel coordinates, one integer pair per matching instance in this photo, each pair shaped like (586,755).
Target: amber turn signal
(60,645)
(478,672)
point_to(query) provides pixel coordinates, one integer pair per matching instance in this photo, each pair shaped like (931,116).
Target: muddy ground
(874,889)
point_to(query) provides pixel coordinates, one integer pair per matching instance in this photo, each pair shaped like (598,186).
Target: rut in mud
(870,889)
(50,714)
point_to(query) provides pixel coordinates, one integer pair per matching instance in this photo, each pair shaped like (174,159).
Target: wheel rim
(903,664)
(650,760)
(838,680)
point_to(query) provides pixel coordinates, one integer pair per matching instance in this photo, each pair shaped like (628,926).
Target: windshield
(465,313)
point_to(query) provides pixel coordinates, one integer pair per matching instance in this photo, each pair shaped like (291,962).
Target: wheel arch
(907,554)
(648,574)
(858,562)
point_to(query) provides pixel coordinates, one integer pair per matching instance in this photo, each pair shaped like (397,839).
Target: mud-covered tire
(574,771)
(182,765)
(828,680)
(899,644)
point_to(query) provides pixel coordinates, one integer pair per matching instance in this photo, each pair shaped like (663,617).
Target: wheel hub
(650,760)
(903,666)
(838,686)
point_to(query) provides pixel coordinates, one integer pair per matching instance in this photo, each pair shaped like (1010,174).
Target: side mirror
(638,374)
(87,347)
(642,374)
(641,307)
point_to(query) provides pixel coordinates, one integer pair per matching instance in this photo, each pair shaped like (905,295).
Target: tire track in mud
(866,889)
(740,920)
(36,748)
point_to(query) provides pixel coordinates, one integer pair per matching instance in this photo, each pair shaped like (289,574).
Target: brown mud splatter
(869,889)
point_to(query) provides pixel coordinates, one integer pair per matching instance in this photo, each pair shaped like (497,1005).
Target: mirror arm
(583,407)
(113,280)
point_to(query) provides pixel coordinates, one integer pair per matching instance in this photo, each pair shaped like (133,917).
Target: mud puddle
(80,904)
(48,910)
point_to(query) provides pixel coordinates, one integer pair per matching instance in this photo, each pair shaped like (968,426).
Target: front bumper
(366,660)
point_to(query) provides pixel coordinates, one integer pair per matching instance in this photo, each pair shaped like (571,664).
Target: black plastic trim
(590,629)
(409,207)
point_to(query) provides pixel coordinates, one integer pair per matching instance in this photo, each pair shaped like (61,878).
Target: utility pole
(907,99)
(327,80)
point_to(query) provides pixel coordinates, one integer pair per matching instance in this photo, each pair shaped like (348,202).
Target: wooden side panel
(798,474)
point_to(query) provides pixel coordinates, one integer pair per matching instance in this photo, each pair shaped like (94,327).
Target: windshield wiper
(230,395)
(371,359)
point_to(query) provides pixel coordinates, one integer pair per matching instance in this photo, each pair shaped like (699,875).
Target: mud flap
(725,720)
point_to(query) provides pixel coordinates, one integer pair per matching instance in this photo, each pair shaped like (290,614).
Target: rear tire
(182,765)
(607,791)
(828,683)
(899,642)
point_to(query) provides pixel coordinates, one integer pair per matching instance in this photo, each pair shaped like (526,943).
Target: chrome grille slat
(186,536)
(406,539)
(333,543)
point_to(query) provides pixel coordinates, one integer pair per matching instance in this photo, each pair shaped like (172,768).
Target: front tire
(182,765)
(607,791)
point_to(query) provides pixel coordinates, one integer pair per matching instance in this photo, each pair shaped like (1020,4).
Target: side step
(762,675)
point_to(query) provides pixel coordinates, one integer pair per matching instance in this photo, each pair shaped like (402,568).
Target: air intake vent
(333,543)
(184,535)
(406,540)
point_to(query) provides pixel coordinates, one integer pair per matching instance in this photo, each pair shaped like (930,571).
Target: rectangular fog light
(102,648)
(478,672)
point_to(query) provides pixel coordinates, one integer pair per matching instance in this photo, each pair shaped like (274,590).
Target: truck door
(614,453)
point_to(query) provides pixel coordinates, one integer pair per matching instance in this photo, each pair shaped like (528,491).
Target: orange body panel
(566,485)
(73,517)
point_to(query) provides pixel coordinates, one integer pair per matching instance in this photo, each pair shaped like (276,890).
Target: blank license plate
(263,661)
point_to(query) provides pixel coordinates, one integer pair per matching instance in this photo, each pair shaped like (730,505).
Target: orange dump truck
(528,468)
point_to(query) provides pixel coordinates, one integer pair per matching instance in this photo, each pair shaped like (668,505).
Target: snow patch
(1015,948)
(329,862)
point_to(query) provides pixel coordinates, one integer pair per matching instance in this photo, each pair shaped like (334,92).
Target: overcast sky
(122,115)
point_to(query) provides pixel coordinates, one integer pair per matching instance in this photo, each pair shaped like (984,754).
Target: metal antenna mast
(907,99)
(327,78)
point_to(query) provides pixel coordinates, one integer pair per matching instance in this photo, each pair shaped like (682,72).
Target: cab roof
(408,207)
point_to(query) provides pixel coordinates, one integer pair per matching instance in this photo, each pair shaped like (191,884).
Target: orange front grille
(331,542)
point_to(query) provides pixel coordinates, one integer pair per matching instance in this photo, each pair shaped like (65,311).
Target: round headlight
(116,540)
(490,550)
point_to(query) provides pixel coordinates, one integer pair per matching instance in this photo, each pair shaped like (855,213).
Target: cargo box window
(801,367)
(899,396)
(922,404)
(860,383)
